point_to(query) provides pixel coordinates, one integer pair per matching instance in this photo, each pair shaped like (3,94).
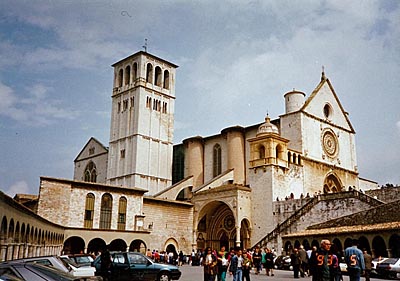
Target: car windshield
(390,261)
(53,273)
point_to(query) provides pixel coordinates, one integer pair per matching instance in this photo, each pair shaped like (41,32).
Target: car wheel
(164,276)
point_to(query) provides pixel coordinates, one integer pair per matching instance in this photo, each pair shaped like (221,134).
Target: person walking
(295,261)
(105,264)
(247,265)
(222,264)
(236,264)
(209,264)
(304,261)
(355,261)
(323,262)
(368,265)
(257,259)
(269,256)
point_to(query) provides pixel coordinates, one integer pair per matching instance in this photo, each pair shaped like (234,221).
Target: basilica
(280,183)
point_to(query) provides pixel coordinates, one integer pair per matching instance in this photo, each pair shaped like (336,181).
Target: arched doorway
(379,247)
(394,245)
(138,246)
(96,245)
(363,243)
(216,226)
(117,245)
(74,245)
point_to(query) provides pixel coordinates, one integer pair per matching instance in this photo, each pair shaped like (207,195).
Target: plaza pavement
(195,273)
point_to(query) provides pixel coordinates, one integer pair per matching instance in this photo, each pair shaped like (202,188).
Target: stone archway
(216,226)
(138,246)
(74,245)
(332,184)
(118,245)
(96,245)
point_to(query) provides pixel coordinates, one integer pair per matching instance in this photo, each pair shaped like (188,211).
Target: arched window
(106,211)
(217,160)
(120,77)
(134,74)
(158,77)
(90,174)
(332,184)
(166,79)
(278,152)
(149,73)
(289,157)
(262,152)
(89,210)
(127,75)
(122,213)
(294,158)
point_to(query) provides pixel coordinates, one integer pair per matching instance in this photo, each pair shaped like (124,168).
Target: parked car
(58,263)
(80,259)
(375,262)
(86,270)
(20,271)
(389,268)
(283,262)
(136,266)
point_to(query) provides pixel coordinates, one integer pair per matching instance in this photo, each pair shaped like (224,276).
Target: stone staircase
(283,226)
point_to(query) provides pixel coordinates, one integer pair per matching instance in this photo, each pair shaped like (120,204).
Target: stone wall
(387,194)
(169,220)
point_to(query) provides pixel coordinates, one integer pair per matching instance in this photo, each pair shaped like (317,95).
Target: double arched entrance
(217,226)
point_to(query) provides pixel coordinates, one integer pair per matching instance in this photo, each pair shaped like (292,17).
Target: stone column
(237,236)
(3,252)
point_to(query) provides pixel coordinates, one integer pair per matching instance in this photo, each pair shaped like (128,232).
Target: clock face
(229,222)
(329,143)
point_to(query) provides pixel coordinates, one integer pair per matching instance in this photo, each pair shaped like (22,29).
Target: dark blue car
(136,266)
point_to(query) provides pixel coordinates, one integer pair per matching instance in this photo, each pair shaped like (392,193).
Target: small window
(217,165)
(327,111)
(122,153)
(149,73)
(166,79)
(91,151)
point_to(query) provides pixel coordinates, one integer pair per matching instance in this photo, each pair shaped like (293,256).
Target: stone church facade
(247,186)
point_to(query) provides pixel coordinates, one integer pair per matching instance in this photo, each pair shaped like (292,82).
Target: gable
(92,148)
(324,104)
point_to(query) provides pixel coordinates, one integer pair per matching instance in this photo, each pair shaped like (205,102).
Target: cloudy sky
(236,60)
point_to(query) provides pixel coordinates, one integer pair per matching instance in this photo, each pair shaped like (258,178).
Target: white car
(389,268)
(375,262)
(78,270)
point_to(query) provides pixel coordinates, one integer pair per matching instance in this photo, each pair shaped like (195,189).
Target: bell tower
(142,123)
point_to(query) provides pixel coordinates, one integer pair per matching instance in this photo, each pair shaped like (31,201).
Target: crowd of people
(323,263)
(236,262)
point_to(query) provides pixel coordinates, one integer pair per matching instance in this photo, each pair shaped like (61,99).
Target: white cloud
(35,109)
(18,187)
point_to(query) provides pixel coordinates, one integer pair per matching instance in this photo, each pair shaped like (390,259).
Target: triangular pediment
(92,148)
(324,104)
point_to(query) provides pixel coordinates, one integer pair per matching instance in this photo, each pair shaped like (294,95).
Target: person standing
(105,264)
(355,261)
(295,261)
(257,259)
(235,268)
(222,264)
(209,264)
(312,263)
(247,264)
(368,265)
(304,261)
(323,262)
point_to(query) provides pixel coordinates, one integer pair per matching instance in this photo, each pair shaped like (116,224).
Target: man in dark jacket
(368,265)
(323,262)
(295,261)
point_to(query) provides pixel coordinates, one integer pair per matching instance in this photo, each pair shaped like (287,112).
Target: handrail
(311,203)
